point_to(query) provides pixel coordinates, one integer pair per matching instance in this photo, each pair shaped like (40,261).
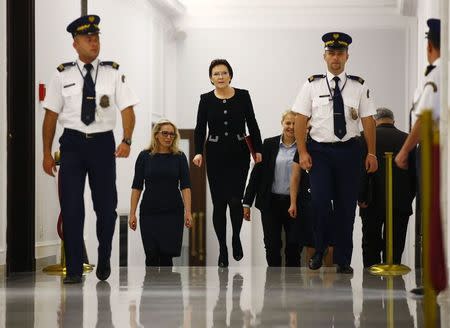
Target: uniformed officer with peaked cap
(83,96)
(335,102)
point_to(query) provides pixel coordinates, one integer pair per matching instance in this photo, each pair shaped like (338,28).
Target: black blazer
(261,178)
(388,139)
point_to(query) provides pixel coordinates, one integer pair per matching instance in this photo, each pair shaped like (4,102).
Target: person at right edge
(372,196)
(335,102)
(429,98)
(226,111)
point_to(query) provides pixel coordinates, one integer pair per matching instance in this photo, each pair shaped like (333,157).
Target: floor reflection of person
(220,309)
(104,314)
(164,170)
(161,299)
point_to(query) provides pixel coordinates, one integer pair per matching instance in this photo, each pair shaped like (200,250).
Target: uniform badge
(123,78)
(368,93)
(354,113)
(104,101)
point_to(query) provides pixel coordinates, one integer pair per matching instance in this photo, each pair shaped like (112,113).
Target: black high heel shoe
(223,258)
(238,254)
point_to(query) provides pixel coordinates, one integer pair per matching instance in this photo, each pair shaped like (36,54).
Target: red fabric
(249,142)
(438,269)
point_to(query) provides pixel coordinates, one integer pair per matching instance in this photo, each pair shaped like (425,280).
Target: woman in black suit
(270,183)
(226,111)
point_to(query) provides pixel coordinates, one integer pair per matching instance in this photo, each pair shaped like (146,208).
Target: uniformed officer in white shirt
(84,96)
(335,102)
(430,96)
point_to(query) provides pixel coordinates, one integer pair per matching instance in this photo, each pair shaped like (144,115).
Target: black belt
(280,196)
(73,132)
(338,143)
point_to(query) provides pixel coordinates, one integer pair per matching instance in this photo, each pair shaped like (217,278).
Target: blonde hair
(286,113)
(154,146)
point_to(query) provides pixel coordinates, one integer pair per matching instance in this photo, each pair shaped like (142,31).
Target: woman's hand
(198,159)
(293,211)
(132,222)
(188,220)
(258,157)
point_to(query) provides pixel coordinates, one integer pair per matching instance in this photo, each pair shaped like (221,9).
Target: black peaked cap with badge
(336,40)
(84,25)
(434,32)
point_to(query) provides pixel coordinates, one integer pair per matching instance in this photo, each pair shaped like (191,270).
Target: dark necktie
(88,103)
(338,111)
(429,69)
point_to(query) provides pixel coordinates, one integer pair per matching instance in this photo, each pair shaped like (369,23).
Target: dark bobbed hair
(217,62)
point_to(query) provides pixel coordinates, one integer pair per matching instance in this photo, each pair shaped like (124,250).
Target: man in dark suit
(270,183)
(372,198)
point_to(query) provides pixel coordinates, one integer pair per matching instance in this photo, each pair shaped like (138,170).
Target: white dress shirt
(315,101)
(65,91)
(430,96)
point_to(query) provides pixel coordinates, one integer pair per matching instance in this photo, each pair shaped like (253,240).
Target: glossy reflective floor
(208,297)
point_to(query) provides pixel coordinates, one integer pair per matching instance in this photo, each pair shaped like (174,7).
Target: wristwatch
(127,141)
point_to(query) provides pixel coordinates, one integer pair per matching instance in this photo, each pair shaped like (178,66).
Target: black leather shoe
(346,269)
(223,259)
(72,279)
(315,262)
(103,270)
(238,254)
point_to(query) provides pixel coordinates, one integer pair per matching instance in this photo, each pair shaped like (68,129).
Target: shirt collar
(286,146)
(436,62)
(341,76)
(94,63)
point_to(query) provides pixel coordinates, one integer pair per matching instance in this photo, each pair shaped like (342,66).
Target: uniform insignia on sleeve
(368,92)
(123,78)
(433,85)
(315,77)
(110,63)
(356,78)
(62,67)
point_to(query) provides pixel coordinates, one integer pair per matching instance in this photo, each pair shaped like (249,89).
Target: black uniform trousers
(275,218)
(91,155)
(374,237)
(334,176)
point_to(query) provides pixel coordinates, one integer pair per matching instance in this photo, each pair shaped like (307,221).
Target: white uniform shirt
(64,96)
(430,96)
(315,101)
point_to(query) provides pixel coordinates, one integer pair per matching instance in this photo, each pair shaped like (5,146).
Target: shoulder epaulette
(356,78)
(62,67)
(315,77)
(110,63)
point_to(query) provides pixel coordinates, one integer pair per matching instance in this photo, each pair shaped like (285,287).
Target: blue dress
(161,209)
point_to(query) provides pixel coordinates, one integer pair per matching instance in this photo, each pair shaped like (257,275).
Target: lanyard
(96,73)
(329,88)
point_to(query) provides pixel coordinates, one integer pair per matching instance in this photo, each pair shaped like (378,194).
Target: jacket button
(226,133)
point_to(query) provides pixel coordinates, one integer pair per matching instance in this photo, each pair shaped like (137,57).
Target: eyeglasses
(219,74)
(166,134)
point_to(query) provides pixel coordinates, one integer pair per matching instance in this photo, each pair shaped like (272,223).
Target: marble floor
(211,297)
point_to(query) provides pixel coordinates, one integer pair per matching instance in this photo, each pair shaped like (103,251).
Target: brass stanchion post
(389,268)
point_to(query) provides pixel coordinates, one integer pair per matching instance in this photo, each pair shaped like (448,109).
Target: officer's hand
(258,157)
(401,160)
(362,204)
(305,161)
(371,164)
(293,211)
(188,220)
(246,213)
(123,150)
(49,166)
(198,159)
(132,222)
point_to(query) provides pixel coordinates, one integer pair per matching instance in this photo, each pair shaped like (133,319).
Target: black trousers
(335,177)
(374,237)
(93,156)
(274,219)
